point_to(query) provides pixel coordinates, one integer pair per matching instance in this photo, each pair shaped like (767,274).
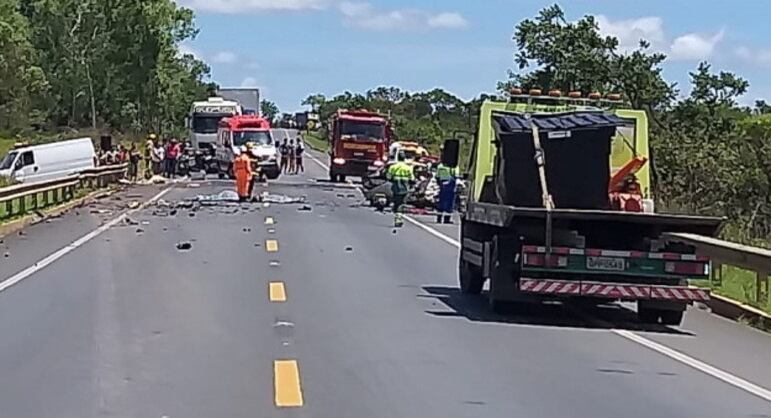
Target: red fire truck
(359,141)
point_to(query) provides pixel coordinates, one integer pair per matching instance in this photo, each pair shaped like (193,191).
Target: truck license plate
(605,263)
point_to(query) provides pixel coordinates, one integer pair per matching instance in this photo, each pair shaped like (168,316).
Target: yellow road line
(271,246)
(286,382)
(269,220)
(277,292)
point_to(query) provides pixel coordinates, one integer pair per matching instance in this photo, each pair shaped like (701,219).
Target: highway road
(323,311)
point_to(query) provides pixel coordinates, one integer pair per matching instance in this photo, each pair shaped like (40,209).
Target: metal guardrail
(20,199)
(757,260)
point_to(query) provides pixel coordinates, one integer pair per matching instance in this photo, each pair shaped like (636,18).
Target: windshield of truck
(8,160)
(206,124)
(255,137)
(363,130)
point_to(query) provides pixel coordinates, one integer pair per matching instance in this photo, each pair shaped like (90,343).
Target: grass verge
(316,141)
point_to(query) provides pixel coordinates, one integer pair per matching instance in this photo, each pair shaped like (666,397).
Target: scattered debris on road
(280,199)
(134,205)
(305,208)
(349,249)
(184,246)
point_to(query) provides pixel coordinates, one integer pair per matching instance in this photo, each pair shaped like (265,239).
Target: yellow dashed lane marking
(269,220)
(277,292)
(287,384)
(271,246)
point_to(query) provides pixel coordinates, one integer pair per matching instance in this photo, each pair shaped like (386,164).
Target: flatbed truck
(540,222)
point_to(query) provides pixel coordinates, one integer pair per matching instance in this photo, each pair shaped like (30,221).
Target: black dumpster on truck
(576,147)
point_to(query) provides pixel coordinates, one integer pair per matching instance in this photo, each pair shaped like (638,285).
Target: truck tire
(648,315)
(672,318)
(470,278)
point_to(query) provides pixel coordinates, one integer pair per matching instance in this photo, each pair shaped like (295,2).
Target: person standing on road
(242,168)
(283,149)
(156,157)
(172,155)
(446,178)
(292,157)
(148,152)
(400,175)
(298,155)
(134,157)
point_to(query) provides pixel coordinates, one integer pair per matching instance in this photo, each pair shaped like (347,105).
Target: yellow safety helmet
(152,136)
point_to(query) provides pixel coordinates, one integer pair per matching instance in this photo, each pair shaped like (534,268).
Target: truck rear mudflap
(614,291)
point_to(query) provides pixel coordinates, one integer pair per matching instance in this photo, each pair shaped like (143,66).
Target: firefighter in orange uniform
(242,168)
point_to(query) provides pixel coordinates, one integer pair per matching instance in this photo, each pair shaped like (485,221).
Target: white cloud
(189,50)
(760,57)
(225,57)
(695,47)
(449,20)
(249,82)
(252,6)
(629,32)
(364,16)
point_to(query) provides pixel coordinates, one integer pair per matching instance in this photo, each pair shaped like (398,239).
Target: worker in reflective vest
(242,168)
(400,174)
(446,178)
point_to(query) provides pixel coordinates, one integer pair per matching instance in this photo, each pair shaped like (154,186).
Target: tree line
(710,155)
(112,64)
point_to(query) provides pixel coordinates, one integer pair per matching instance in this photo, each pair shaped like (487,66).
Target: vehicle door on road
(25,169)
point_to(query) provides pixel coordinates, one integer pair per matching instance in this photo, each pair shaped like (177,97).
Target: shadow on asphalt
(476,308)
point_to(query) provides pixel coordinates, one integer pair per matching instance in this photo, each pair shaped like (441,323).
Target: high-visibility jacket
(445,173)
(400,171)
(242,168)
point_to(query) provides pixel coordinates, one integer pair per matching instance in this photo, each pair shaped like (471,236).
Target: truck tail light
(543,260)
(687,268)
(339,161)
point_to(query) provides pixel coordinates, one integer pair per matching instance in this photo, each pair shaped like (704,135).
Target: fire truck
(253,132)
(359,141)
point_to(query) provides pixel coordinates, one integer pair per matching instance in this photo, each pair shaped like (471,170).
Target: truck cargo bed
(582,219)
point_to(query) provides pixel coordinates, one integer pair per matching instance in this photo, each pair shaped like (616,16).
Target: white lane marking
(317,161)
(719,374)
(697,364)
(433,231)
(45,262)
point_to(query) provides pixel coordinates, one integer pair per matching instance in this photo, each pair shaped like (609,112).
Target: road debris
(193,185)
(305,208)
(274,263)
(140,231)
(247,230)
(224,196)
(134,205)
(184,246)
(280,199)
(349,249)
(6,255)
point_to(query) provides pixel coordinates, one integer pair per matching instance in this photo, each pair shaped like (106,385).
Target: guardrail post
(8,208)
(761,286)
(717,274)
(45,198)
(23,205)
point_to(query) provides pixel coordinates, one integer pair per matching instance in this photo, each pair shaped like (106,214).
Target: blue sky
(291,48)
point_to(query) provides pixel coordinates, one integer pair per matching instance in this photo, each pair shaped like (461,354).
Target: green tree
(23,82)
(269,111)
(315,101)
(554,53)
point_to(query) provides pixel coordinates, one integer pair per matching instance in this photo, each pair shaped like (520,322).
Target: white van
(48,161)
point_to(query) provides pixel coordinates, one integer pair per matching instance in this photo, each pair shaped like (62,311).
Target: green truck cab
(540,225)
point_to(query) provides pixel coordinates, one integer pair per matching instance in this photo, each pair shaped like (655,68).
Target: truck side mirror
(451,152)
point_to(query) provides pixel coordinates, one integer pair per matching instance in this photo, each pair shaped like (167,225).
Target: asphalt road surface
(323,311)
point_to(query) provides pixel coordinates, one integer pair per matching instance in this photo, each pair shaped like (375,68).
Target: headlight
(339,161)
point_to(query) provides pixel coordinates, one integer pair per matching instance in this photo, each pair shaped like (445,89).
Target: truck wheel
(648,315)
(673,318)
(470,278)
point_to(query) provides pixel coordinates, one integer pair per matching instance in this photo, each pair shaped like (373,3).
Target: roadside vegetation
(112,66)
